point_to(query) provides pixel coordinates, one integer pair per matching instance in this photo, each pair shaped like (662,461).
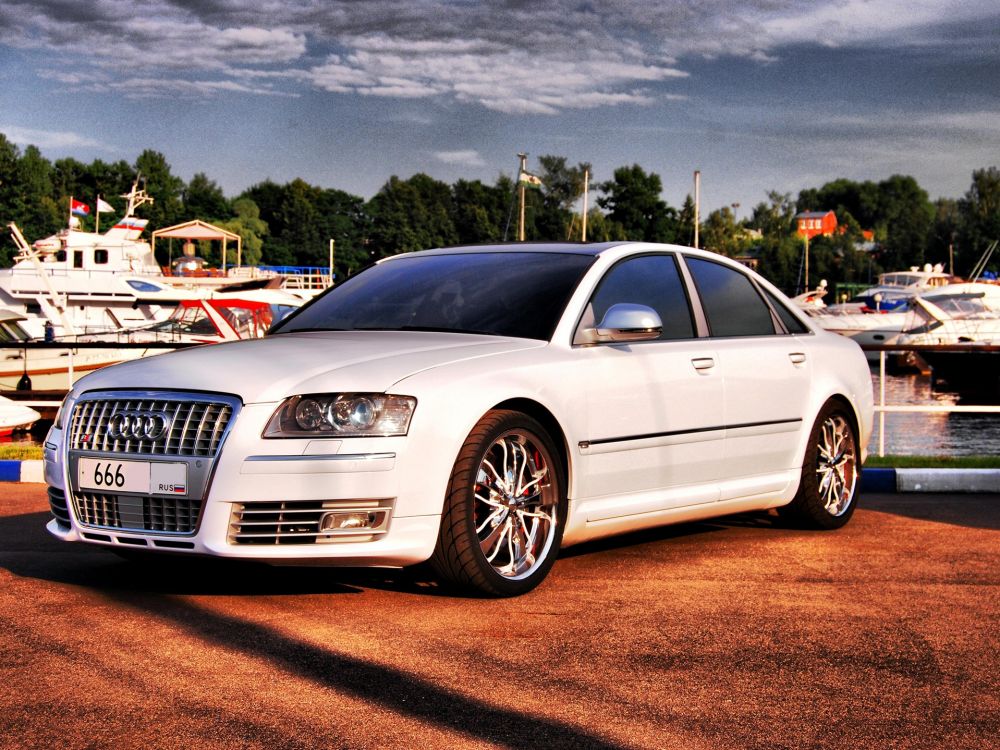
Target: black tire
(500,535)
(831,473)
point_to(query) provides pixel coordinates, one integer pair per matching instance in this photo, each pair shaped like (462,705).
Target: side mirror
(626,322)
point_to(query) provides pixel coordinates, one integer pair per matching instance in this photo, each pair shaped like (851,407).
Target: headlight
(63,411)
(342,414)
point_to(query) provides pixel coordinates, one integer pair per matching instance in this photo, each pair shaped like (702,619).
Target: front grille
(297,521)
(196,426)
(171,515)
(57,504)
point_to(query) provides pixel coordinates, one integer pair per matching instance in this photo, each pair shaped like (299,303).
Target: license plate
(145,477)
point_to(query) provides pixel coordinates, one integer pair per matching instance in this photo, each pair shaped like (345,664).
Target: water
(931,434)
(905,434)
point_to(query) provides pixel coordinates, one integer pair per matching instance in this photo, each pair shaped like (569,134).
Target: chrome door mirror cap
(626,321)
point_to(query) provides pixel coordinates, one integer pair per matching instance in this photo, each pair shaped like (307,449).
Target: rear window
(730,300)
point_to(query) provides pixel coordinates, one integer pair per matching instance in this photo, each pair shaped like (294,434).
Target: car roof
(571,248)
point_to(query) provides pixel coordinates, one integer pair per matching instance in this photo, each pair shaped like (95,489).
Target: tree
(944,233)
(298,233)
(413,214)
(203,199)
(980,213)
(775,219)
(480,211)
(163,187)
(562,187)
(250,228)
(633,201)
(905,215)
(685,222)
(722,234)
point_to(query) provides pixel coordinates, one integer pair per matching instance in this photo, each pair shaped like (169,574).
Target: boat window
(143,286)
(731,301)
(61,256)
(78,259)
(650,280)
(101,256)
(12,331)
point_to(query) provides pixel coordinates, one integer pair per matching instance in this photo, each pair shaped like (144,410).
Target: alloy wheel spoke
(495,537)
(490,519)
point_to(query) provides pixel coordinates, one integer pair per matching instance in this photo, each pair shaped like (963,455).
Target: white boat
(194,321)
(896,286)
(83,281)
(958,319)
(77,282)
(14,416)
(49,369)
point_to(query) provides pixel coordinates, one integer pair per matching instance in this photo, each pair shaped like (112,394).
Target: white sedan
(475,407)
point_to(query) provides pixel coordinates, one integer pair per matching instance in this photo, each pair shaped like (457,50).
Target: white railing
(882,408)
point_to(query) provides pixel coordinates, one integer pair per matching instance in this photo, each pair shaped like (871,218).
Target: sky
(758,96)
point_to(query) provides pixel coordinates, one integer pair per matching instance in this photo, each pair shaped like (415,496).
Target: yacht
(79,282)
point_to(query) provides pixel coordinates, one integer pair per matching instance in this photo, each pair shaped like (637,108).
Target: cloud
(498,78)
(50,139)
(469,158)
(544,57)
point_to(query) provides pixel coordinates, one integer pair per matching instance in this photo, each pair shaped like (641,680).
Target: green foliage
(250,228)
(481,211)
(721,234)
(203,199)
(979,212)
(412,214)
(632,198)
(562,188)
(292,224)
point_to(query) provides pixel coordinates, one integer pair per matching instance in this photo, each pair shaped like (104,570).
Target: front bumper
(264,499)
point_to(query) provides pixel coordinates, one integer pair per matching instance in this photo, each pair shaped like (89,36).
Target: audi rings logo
(138,425)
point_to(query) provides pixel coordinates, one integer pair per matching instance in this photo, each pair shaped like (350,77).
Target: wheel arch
(546,419)
(850,409)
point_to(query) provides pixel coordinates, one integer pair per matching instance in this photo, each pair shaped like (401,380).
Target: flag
(103,207)
(78,207)
(529,180)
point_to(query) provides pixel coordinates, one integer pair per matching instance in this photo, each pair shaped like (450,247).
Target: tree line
(292,223)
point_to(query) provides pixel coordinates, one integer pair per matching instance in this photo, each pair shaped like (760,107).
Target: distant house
(816,223)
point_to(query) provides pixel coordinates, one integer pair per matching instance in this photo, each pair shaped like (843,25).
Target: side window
(792,323)
(651,280)
(731,302)
(100,256)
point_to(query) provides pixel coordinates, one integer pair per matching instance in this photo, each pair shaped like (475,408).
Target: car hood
(275,367)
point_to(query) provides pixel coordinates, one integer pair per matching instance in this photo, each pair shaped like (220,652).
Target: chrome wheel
(516,504)
(836,465)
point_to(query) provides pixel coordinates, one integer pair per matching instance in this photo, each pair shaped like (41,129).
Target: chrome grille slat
(297,521)
(197,426)
(160,514)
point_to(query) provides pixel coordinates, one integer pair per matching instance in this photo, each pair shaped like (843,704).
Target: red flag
(78,207)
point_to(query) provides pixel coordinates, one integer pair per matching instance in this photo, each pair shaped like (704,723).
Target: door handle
(797,358)
(703,363)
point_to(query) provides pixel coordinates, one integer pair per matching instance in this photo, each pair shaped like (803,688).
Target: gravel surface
(729,634)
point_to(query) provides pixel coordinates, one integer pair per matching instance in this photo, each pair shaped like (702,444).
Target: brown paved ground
(734,634)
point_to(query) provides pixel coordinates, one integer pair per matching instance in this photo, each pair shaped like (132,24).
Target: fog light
(348,521)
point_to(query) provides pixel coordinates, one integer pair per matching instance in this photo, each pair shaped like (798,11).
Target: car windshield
(501,293)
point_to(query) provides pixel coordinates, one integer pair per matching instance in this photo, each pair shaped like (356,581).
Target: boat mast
(135,197)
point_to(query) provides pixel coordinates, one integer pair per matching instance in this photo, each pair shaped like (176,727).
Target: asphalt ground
(731,634)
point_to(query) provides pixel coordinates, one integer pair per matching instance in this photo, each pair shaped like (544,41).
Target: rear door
(763,353)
